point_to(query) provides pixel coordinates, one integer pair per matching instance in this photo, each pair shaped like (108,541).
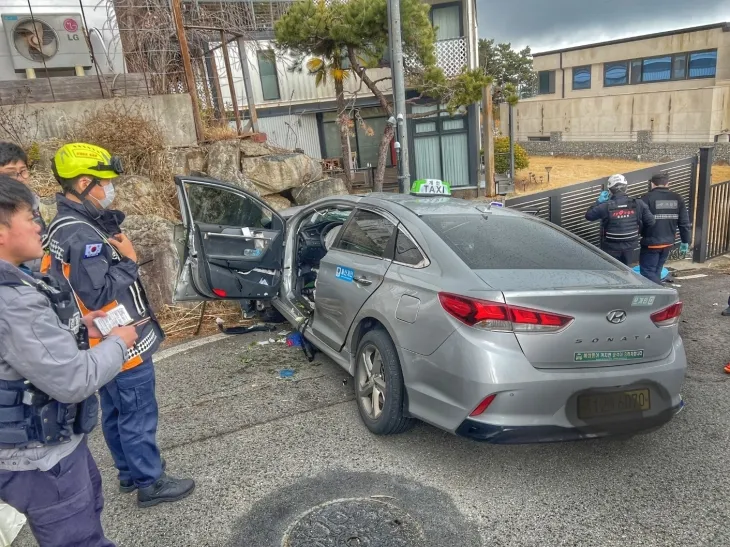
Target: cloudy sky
(551,24)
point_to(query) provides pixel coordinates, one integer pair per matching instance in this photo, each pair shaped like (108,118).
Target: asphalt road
(264,451)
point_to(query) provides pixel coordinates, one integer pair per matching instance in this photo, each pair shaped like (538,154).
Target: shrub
(501,156)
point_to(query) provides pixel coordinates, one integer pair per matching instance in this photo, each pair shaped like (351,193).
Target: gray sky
(551,24)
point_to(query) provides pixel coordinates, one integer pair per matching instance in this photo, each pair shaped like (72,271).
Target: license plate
(617,402)
(588,356)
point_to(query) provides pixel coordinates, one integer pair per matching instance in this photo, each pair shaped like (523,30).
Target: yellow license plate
(617,402)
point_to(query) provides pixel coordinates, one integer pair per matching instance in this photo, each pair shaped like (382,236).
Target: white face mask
(109,195)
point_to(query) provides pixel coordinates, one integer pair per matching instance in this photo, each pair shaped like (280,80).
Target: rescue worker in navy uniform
(86,246)
(623,219)
(670,212)
(14,163)
(47,389)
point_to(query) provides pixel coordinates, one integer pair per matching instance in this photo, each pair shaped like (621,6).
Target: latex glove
(604,196)
(683,249)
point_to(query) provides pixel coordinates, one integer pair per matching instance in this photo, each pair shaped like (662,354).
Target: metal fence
(567,206)
(718,229)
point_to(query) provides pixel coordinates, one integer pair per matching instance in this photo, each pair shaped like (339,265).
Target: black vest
(29,417)
(623,222)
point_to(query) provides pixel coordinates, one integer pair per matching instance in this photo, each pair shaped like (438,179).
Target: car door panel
(345,282)
(234,247)
(350,273)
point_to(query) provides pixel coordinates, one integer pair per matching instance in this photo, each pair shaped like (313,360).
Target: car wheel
(379,387)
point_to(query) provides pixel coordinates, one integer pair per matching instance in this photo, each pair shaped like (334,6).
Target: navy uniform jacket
(77,241)
(644,219)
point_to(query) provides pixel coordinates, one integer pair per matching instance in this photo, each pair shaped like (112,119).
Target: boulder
(48,209)
(252,149)
(279,172)
(136,195)
(153,239)
(278,202)
(185,161)
(197,160)
(313,191)
(224,160)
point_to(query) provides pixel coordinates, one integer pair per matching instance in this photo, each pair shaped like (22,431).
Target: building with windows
(296,113)
(673,86)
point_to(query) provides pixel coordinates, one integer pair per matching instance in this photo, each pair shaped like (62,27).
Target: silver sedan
(482,321)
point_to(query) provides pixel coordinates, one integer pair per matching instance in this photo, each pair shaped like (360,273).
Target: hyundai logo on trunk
(616,316)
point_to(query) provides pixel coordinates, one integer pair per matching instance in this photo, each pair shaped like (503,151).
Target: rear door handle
(363,281)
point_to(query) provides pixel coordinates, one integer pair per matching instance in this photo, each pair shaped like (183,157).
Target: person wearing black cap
(670,212)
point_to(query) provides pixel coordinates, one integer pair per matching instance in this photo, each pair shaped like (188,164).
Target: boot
(726,311)
(127,487)
(165,489)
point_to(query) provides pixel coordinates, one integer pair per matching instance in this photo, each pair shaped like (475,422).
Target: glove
(604,196)
(683,249)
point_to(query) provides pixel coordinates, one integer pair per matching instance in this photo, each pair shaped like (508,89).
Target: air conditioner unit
(46,40)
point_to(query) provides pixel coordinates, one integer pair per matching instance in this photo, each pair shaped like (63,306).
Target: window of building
(657,69)
(364,136)
(447,21)
(267,73)
(703,64)
(616,73)
(441,145)
(636,71)
(582,77)
(546,80)
(680,66)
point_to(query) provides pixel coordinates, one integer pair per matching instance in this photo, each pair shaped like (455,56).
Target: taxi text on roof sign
(430,187)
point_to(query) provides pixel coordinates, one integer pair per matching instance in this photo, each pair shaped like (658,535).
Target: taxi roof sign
(430,187)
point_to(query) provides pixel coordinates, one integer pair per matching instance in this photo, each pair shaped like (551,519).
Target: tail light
(501,317)
(668,316)
(483,405)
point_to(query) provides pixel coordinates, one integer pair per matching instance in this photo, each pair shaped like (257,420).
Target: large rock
(318,189)
(252,149)
(136,195)
(153,240)
(279,172)
(277,202)
(185,161)
(224,160)
(48,209)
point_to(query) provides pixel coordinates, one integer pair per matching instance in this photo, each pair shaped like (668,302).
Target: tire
(380,392)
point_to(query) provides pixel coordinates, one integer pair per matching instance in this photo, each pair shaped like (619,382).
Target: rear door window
(367,233)
(495,242)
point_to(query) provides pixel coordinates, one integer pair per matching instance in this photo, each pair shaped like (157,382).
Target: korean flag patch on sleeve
(92,250)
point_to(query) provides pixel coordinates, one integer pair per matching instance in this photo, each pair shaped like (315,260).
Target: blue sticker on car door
(345,274)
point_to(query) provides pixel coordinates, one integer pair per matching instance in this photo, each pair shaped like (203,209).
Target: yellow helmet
(79,158)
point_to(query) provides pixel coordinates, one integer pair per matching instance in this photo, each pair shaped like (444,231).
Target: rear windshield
(493,242)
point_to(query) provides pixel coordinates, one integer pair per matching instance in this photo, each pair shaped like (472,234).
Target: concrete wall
(174,113)
(107,47)
(644,151)
(688,115)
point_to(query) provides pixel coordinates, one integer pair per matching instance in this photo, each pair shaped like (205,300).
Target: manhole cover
(359,522)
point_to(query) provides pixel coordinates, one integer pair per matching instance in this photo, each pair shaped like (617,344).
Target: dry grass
(567,170)
(185,323)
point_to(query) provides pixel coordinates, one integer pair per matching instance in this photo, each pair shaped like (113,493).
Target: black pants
(625,257)
(651,262)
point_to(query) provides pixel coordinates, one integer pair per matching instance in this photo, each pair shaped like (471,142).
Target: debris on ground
(286,373)
(294,340)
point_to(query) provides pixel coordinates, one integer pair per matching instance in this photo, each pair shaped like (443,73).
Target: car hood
(531,280)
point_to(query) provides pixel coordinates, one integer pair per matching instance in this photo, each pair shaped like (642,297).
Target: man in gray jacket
(47,389)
